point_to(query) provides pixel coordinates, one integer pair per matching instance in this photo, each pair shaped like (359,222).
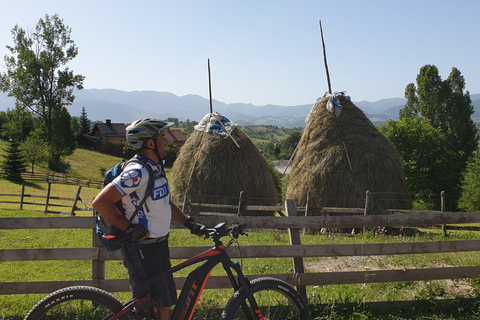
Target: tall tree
(435,135)
(37,77)
(84,122)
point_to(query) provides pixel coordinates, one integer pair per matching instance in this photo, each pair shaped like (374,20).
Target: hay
(334,179)
(222,171)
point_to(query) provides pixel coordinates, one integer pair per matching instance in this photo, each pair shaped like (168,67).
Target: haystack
(339,158)
(222,169)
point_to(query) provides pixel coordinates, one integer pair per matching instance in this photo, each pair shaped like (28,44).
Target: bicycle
(261,298)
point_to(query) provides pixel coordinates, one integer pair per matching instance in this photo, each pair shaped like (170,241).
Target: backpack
(103,227)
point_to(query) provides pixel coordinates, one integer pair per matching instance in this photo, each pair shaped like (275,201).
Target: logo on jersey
(131,179)
(160,192)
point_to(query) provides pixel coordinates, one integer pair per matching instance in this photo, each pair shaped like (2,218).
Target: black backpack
(103,227)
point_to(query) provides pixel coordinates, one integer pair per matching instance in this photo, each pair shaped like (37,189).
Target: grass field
(428,300)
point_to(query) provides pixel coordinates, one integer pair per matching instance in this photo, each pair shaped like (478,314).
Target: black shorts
(147,262)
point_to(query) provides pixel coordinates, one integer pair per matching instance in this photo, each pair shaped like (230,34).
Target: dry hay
(222,171)
(321,164)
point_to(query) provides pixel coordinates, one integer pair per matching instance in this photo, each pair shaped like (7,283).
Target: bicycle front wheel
(80,302)
(276,300)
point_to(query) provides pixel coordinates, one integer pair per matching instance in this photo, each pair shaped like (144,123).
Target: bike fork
(243,281)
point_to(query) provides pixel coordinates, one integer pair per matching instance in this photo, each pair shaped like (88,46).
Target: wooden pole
(21,196)
(325,58)
(294,234)
(77,197)
(48,196)
(210,86)
(442,209)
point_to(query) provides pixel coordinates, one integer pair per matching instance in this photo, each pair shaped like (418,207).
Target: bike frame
(194,283)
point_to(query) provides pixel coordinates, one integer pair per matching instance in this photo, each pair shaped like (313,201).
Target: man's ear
(149,143)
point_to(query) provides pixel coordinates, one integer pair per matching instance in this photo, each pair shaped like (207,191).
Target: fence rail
(295,250)
(56,177)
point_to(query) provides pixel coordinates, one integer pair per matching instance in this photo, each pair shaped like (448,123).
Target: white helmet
(142,129)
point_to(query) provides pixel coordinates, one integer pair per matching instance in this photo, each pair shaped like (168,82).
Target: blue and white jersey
(156,213)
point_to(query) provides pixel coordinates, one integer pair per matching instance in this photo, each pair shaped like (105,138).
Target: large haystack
(222,171)
(339,158)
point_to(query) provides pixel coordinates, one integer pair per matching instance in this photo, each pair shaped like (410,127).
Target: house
(116,132)
(109,131)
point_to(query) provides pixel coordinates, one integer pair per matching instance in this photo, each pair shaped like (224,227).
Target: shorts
(147,262)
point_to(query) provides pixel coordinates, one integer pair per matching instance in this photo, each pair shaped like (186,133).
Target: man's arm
(104,203)
(177,215)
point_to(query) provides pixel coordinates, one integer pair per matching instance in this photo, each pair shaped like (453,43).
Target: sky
(261,52)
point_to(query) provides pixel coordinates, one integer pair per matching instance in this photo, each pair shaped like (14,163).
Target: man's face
(161,142)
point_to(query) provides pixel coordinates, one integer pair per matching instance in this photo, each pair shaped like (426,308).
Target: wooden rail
(98,255)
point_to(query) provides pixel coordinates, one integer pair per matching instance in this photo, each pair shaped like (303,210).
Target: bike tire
(78,302)
(277,300)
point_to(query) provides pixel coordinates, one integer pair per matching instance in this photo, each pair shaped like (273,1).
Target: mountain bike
(261,298)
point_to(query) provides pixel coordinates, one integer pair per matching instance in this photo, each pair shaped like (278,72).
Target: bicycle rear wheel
(80,302)
(276,300)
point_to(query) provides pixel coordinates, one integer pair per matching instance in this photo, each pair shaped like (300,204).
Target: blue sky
(261,52)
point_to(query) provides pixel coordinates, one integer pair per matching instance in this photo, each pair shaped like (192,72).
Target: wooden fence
(48,203)
(295,250)
(56,177)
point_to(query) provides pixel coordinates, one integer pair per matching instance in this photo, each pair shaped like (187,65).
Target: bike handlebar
(217,232)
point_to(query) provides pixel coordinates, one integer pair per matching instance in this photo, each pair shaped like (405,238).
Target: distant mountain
(123,106)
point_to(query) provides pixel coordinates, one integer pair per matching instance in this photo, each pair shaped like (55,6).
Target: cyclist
(152,223)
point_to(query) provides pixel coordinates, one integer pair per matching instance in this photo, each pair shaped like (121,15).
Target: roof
(175,135)
(109,129)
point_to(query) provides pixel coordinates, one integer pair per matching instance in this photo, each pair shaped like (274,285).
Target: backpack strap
(150,185)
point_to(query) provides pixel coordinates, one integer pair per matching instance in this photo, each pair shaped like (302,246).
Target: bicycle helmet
(142,129)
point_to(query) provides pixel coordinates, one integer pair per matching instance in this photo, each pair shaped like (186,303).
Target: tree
(446,105)
(14,163)
(84,122)
(470,194)
(428,165)
(34,148)
(435,134)
(36,79)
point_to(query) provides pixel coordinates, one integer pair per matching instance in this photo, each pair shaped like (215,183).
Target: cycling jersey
(156,213)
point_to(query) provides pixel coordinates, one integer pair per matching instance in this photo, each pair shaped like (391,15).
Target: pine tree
(84,122)
(14,163)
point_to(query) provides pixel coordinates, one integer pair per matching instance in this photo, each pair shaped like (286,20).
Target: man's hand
(195,228)
(136,231)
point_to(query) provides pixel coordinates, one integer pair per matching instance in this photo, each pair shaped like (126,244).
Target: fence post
(98,265)
(306,207)
(294,235)
(240,204)
(442,209)
(21,196)
(48,196)
(367,204)
(77,197)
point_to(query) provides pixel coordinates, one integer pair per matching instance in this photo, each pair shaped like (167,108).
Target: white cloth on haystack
(211,122)
(333,105)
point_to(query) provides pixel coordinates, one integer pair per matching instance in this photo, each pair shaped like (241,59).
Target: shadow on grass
(459,309)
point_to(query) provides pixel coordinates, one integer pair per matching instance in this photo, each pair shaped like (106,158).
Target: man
(152,222)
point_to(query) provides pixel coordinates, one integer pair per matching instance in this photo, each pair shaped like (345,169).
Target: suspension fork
(242,281)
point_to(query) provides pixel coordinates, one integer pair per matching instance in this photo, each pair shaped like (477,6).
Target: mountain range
(125,106)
